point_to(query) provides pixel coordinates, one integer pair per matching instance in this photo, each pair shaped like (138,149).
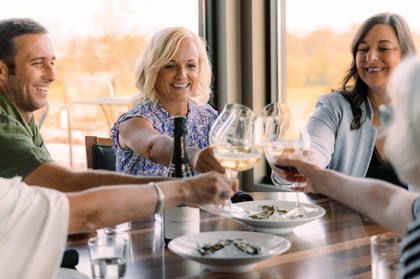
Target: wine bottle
(180,220)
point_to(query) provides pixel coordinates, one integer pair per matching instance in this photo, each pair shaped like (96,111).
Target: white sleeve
(33,230)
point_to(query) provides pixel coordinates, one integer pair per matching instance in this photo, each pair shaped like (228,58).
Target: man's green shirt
(22,148)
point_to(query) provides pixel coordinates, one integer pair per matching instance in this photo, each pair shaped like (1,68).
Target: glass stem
(230,173)
(298,205)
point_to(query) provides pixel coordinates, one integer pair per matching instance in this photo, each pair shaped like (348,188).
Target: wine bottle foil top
(179,125)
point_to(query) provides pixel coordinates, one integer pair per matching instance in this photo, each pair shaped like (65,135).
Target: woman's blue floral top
(199,120)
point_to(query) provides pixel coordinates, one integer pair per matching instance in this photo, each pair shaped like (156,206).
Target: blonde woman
(173,77)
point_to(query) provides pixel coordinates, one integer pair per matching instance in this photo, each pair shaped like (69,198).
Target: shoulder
(142,108)
(17,193)
(9,188)
(334,102)
(8,121)
(204,110)
(146,109)
(43,212)
(9,117)
(331,110)
(332,98)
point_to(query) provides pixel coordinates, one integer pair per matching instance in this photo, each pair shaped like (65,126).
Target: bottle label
(181,221)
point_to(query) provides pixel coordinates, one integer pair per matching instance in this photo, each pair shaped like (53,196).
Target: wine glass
(286,136)
(232,139)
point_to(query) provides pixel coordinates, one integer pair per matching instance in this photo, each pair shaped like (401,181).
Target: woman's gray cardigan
(334,145)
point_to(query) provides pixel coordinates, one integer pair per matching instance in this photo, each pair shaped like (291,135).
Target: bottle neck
(180,164)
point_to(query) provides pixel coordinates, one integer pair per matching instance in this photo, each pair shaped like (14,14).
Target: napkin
(70,258)
(241,196)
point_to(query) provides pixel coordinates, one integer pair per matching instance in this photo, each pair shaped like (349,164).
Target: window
(100,37)
(318,38)
(103,35)
(309,48)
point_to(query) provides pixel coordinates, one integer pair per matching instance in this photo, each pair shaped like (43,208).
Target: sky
(63,17)
(306,15)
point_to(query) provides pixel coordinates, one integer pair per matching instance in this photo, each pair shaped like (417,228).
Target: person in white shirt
(35,221)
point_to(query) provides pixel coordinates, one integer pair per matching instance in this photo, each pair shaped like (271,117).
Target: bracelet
(161,197)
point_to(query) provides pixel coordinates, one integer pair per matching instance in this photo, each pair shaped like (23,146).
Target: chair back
(99,153)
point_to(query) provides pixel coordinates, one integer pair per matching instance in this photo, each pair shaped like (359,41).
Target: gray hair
(402,146)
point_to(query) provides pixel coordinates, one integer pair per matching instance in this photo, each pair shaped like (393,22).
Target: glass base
(229,210)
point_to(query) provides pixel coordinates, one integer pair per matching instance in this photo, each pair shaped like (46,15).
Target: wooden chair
(99,153)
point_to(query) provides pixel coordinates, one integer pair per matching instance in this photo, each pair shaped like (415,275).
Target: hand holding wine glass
(232,141)
(285,137)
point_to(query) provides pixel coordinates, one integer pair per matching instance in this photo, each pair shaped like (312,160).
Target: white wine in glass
(285,137)
(236,159)
(232,139)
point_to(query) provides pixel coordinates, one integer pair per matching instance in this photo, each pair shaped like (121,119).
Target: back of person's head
(10,29)
(402,145)
(161,48)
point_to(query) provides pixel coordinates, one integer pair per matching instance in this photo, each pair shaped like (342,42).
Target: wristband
(161,197)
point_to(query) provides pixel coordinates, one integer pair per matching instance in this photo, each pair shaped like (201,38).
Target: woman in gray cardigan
(391,207)
(345,125)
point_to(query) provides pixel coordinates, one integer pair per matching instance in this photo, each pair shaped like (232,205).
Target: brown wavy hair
(356,94)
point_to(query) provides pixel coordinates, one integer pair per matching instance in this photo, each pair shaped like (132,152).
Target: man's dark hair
(11,28)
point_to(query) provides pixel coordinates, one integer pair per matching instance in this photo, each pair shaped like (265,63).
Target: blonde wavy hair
(402,146)
(160,50)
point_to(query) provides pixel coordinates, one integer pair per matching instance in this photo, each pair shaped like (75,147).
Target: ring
(224,195)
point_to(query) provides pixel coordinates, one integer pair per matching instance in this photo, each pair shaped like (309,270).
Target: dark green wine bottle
(180,220)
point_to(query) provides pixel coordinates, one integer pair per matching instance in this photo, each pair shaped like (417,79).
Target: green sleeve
(22,148)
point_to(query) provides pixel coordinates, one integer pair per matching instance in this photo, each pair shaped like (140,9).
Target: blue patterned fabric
(199,120)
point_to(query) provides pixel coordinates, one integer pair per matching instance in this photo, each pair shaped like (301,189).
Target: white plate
(68,273)
(277,226)
(271,245)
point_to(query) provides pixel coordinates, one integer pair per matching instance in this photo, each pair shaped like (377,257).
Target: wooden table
(335,246)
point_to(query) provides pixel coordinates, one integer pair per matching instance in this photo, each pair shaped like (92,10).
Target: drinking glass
(385,254)
(232,139)
(285,136)
(108,256)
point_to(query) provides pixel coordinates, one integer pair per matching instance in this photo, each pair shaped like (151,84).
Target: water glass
(121,228)
(385,254)
(108,256)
